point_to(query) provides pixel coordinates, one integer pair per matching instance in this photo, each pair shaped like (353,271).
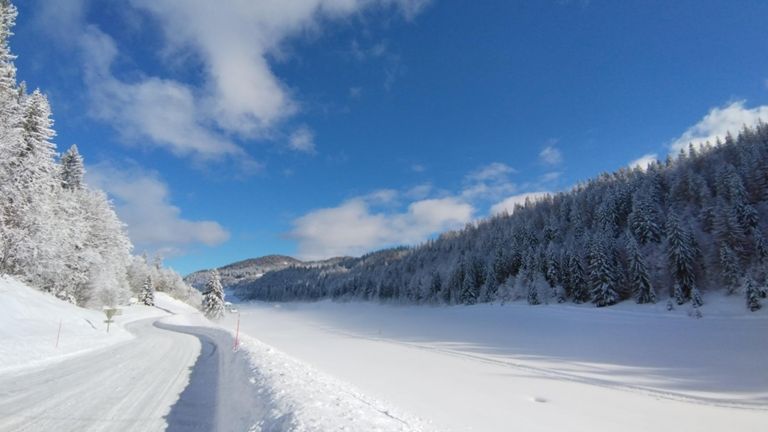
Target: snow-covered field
(361,366)
(556,367)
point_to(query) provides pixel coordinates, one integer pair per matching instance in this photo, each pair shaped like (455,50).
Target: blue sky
(325,127)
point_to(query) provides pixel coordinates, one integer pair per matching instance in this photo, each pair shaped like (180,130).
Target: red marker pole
(58,335)
(237,333)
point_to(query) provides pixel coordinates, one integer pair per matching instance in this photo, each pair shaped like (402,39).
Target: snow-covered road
(167,378)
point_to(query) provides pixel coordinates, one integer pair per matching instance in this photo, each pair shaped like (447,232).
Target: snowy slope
(29,323)
(30,319)
(556,367)
(138,377)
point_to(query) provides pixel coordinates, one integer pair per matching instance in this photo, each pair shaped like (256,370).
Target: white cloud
(644,160)
(719,121)
(419,168)
(161,112)
(303,140)
(234,41)
(142,201)
(508,205)
(353,229)
(389,217)
(550,155)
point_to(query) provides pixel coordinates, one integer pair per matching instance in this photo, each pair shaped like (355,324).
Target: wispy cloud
(489,182)
(302,140)
(550,155)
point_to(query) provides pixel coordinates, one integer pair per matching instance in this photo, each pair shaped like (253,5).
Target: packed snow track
(167,378)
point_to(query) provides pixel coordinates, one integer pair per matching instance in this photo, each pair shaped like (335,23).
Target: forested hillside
(245,271)
(691,224)
(56,233)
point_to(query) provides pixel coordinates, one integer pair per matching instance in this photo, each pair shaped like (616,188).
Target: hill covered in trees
(670,231)
(251,269)
(56,233)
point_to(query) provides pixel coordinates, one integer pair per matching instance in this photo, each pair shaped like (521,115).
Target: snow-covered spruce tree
(147,296)
(729,269)
(435,286)
(455,283)
(530,279)
(578,288)
(71,169)
(213,297)
(644,219)
(602,273)
(473,280)
(680,252)
(753,294)
(491,288)
(639,279)
(761,247)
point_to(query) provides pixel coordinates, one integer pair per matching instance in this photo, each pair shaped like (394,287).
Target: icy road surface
(167,378)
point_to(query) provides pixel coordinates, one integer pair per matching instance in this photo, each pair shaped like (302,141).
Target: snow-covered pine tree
(500,266)
(213,297)
(677,293)
(473,280)
(680,252)
(696,298)
(491,285)
(530,277)
(639,278)
(455,283)
(644,219)
(553,266)
(147,296)
(578,288)
(8,15)
(761,246)
(71,169)
(753,293)
(602,273)
(435,286)
(729,268)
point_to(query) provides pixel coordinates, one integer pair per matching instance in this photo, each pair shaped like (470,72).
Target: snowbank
(299,398)
(30,322)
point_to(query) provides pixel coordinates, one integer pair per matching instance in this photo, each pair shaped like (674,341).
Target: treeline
(672,230)
(55,233)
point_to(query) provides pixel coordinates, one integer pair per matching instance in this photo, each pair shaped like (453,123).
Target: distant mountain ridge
(251,269)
